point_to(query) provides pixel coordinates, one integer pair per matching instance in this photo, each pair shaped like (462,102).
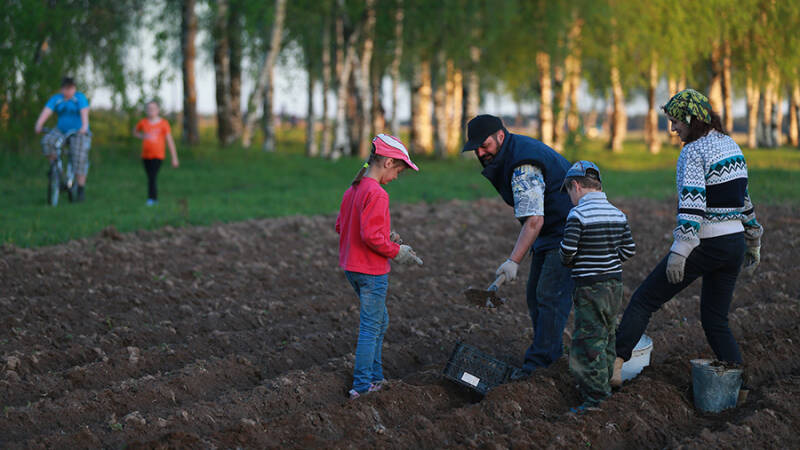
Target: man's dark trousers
(549,297)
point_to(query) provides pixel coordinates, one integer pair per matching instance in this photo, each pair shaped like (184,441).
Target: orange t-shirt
(156,135)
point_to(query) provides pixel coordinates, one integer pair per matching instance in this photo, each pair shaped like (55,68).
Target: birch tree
(264,84)
(399,16)
(188,53)
(222,75)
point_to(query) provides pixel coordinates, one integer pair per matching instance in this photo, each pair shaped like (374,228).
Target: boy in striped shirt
(597,239)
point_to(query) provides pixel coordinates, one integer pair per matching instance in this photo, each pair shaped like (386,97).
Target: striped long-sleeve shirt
(597,239)
(712,193)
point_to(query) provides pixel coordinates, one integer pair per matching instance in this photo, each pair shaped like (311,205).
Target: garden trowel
(486,297)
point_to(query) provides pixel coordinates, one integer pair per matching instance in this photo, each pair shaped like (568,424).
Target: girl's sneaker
(376,386)
(353,394)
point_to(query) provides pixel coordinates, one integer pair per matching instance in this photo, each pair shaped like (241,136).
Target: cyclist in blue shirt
(72,108)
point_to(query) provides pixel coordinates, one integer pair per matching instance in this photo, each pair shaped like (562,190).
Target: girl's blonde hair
(373,158)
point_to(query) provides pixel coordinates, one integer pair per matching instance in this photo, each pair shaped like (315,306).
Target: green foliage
(213,186)
(41,41)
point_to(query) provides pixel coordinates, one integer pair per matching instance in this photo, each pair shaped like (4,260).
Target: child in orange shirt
(153,131)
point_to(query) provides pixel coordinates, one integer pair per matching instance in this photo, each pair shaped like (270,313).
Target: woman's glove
(509,269)
(406,255)
(675,266)
(752,256)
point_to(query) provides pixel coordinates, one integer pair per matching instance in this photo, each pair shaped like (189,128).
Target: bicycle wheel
(54,185)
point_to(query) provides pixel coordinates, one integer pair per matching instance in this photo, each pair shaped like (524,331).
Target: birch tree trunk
(439,78)
(573,66)
(562,92)
(454,103)
(235,48)
(794,106)
(546,95)
(777,115)
(769,133)
(652,136)
(264,82)
(619,118)
(763,129)
(473,102)
(378,115)
(715,88)
(421,114)
(727,87)
(341,143)
(398,54)
(753,101)
(188,50)
(574,77)
(364,142)
(268,119)
(222,74)
(777,118)
(312,149)
(326,139)
(674,86)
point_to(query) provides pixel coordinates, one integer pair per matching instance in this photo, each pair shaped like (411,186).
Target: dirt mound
(242,335)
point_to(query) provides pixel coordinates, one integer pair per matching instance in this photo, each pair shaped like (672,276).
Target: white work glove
(752,256)
(675,265)
(509,269)
(406,255)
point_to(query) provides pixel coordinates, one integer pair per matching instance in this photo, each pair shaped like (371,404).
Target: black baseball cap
(480,128)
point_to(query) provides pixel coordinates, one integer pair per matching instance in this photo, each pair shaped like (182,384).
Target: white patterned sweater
(712,193)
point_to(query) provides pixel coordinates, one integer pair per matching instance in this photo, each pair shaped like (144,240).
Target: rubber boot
(616,377)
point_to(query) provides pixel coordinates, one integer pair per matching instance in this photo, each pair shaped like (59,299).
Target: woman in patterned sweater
(716,236)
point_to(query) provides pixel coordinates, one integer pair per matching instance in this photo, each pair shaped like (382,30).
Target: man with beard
(528,176)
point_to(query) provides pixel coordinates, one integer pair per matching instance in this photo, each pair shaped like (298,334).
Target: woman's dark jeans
(718,260)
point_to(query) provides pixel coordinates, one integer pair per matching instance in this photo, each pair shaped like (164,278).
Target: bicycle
(60,178)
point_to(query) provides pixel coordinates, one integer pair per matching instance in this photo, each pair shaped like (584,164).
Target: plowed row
(243,335)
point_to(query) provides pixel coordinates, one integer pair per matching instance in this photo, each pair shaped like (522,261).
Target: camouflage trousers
(593,351)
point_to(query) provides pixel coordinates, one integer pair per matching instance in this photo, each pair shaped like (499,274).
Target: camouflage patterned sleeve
(527,184)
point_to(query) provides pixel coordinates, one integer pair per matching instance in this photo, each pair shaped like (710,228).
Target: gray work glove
(509,269)
(406,255)
(752,256)
(675,265)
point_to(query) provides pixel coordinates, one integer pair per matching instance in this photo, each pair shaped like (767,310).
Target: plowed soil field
(242,335)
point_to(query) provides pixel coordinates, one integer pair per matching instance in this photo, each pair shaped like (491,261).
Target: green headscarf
(687,103)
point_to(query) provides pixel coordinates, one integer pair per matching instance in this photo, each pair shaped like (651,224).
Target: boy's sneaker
(616,376)
(376,386)
(151,202)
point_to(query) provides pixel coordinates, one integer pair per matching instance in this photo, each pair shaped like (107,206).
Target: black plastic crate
(474,369)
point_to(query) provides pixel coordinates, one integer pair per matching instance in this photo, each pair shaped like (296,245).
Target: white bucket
(640,358)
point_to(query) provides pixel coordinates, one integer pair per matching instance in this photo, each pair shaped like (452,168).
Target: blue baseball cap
(582,169)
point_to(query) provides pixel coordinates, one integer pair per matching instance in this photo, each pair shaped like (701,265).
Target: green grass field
(222,185)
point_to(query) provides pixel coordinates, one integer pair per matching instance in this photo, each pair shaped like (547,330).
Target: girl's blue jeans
(374,319)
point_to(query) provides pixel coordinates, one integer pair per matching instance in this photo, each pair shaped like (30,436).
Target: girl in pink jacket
(366,244)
